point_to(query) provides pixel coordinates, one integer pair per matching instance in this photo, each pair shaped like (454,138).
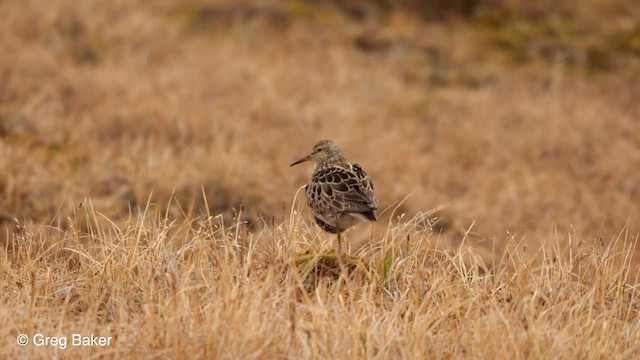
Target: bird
(339,194)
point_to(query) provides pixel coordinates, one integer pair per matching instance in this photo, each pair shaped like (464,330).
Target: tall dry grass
(202,288)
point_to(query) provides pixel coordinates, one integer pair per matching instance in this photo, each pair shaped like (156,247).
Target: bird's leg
(338,254)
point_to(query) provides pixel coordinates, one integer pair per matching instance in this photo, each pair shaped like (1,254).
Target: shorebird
(339,194)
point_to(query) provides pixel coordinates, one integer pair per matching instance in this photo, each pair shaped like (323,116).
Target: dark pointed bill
(301,160)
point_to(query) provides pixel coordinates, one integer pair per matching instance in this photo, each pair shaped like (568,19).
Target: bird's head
(324,152)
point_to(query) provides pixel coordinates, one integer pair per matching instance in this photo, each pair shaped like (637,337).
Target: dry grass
(202,289)
(144,153)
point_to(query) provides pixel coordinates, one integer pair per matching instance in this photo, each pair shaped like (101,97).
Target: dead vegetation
(144,180)
(203,289)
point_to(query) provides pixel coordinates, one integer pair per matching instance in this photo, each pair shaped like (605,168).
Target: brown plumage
(339,194)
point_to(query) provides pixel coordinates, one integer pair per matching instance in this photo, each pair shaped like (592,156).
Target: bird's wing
(338,190)
(367,184)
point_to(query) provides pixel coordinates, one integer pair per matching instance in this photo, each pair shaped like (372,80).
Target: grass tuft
(388,298)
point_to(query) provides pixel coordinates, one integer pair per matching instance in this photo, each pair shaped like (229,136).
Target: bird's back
(340,196)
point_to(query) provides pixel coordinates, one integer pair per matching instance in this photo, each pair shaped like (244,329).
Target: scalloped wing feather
(336,191)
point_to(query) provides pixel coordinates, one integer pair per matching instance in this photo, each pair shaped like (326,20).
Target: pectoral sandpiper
(339,194)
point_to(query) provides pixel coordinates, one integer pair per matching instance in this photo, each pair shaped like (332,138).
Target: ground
(146,192)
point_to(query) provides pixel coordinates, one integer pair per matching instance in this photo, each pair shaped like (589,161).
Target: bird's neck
(336,160)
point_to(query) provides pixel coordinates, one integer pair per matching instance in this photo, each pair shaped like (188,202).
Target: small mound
(326,265)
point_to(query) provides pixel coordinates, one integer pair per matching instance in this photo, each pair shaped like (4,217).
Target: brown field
(146,193)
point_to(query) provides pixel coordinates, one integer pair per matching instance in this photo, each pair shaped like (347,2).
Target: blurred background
(520,118)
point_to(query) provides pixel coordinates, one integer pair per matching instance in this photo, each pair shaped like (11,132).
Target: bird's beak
(306,158)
